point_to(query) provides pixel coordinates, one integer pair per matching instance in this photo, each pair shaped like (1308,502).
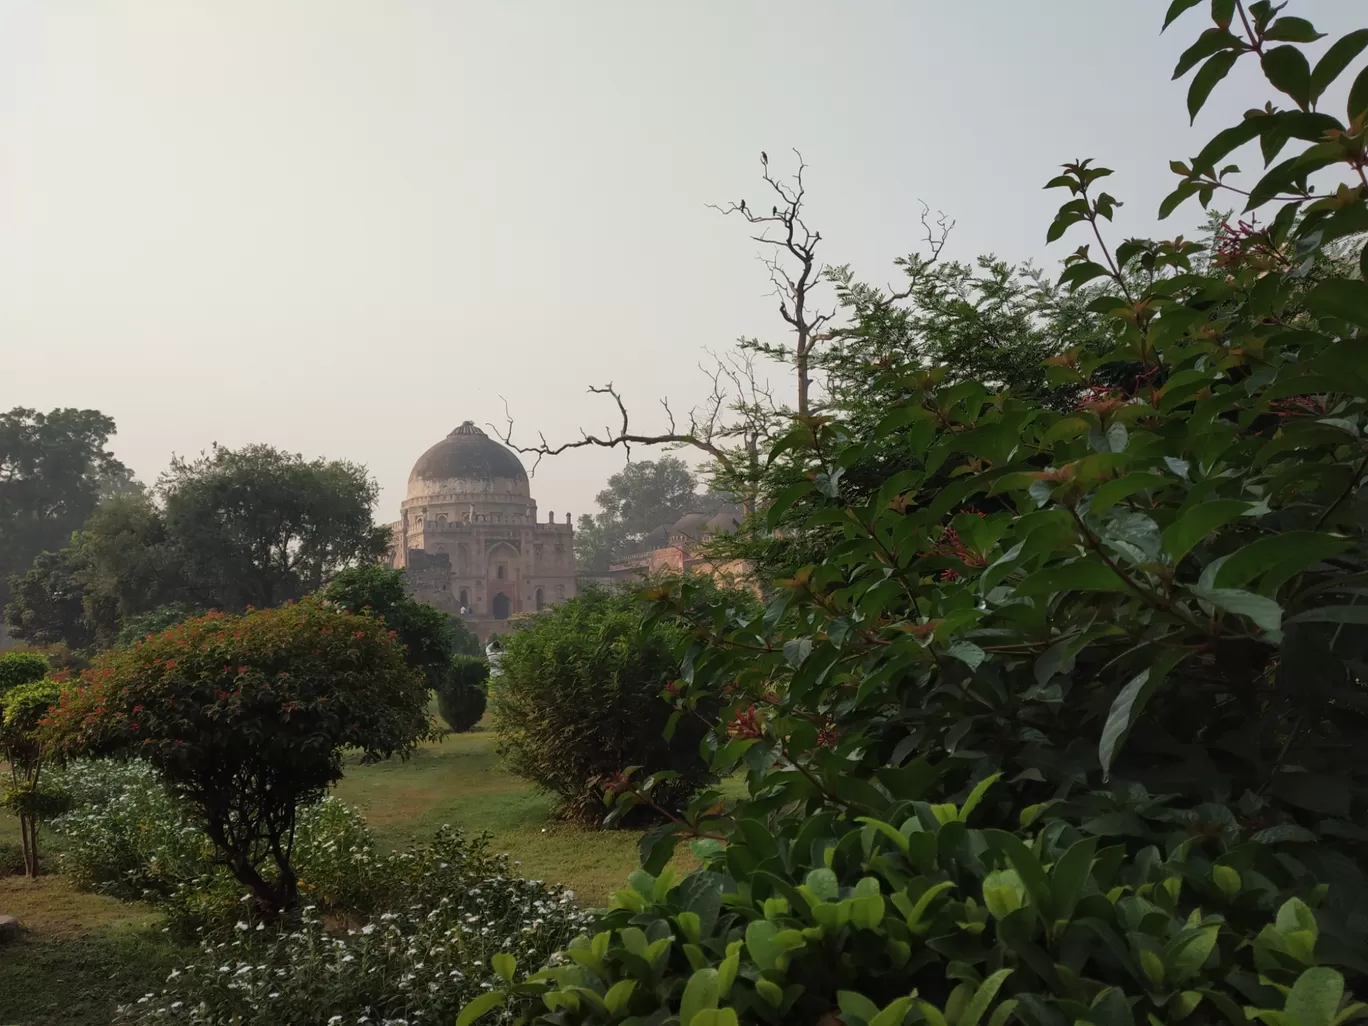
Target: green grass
(460,781)
(84,954)
(80,956)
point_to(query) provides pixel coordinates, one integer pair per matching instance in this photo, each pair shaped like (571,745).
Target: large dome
(468,462)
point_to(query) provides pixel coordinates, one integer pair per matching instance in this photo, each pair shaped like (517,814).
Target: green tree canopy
(639,498)
(257,526)
(53,469)
(431,638)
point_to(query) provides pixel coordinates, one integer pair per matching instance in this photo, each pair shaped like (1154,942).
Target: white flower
(240,926)
(368,929)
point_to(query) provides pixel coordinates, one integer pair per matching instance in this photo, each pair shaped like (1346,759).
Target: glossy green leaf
(1292,30)
(505,965)
(1081,575)
(1332,614)
(1208,76)
(1300,549)
(483,1004)
(1130,702)
(1070,875)
(1335,60)
(1213,40)
(1358,96)
(1289,71)
(1340,298)
(1198,522)
(1264,611)
(700,993)
(1176,8)
(983,997)
(715,1017)
(1315,997)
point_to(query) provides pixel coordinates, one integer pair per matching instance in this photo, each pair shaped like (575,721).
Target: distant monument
(469,539)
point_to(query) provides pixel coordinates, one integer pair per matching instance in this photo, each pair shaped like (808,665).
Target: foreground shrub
(417,961)
(246,717)
(461,698)
(578,700)
(921,918)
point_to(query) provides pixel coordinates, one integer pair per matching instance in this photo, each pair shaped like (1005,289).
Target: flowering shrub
(455,907)
(246,718)
(126,835)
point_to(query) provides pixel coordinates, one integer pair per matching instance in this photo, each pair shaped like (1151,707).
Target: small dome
(468,461)
(690,525)
(724,521)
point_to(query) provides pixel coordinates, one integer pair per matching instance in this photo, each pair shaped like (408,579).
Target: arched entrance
(502,605)
(541,599)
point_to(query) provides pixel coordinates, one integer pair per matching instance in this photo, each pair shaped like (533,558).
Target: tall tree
(54,467)
(639,498)
(258,526)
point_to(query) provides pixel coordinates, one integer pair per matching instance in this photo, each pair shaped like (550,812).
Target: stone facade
(678,548)
(469,538)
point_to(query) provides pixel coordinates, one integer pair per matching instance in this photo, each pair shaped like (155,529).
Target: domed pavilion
(469,537)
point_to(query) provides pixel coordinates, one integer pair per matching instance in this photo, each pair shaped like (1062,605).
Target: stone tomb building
(469,537)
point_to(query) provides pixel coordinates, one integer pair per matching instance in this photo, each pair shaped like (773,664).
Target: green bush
(30,795)
(21,668)
(922,918)
(246,718)
(577,702)
(461,698)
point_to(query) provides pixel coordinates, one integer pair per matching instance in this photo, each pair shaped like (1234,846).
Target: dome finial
(467,428)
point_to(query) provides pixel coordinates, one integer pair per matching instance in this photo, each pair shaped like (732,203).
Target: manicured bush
(246,718)
(417,960)
(578,701)
(29,795)
(461,698)
(21,668)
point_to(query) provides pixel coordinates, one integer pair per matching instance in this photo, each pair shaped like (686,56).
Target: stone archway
(502,606)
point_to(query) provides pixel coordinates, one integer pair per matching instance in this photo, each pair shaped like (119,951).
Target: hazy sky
(343,227)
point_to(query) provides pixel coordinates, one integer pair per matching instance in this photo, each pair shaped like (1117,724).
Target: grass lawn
(459,780)
(83,954)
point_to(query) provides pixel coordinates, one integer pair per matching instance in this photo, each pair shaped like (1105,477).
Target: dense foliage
(577,700)
(236,528)
(246,718)
(957,720)
(431,638)
(257,526)
(462,697)
(54,468)
(20,667)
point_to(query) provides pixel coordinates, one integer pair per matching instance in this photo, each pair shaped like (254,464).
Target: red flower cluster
(745,724)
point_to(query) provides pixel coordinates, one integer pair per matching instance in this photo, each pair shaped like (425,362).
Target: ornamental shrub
(28,795)
(246,718)
(578,701)
(21,668)
(461,698)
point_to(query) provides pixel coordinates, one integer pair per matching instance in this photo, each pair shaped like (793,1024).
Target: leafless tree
(741,411)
